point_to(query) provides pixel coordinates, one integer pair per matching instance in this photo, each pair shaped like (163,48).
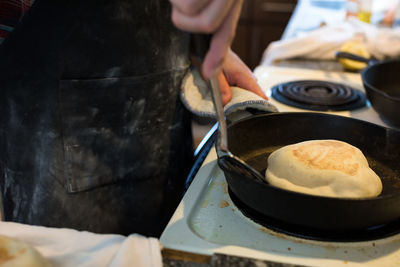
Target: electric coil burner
(318,95)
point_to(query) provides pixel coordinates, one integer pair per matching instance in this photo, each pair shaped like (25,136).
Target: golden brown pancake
(329,168)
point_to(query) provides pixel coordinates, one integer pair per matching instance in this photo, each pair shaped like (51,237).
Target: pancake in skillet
(328,168)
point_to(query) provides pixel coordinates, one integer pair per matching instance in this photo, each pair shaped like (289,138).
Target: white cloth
(196,96)
(324,42)
(67,247)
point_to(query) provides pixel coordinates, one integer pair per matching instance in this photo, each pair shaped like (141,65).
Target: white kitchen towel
(324,42)
(71,248)
(196,96)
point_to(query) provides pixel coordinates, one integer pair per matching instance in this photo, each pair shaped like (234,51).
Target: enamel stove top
(207,221)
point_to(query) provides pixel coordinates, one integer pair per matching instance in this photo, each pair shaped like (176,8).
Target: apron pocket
(116,128)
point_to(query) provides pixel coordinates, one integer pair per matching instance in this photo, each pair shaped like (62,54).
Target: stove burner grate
(372,233)
(318,95)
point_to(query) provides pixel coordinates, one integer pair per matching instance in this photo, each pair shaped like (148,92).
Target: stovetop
(268,77)
(208,222)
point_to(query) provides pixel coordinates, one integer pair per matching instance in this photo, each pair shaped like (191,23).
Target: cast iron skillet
(254,138)
(382,84)
(381,81)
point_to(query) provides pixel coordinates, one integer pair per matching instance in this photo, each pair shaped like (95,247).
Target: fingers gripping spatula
(226,159)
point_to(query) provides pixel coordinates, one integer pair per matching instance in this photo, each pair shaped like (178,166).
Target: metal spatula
(227,160)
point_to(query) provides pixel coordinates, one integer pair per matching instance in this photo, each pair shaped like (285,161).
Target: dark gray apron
(92,133)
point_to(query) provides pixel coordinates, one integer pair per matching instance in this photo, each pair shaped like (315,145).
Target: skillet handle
(354,57)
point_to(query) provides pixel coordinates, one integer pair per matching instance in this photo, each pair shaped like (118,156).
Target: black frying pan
(254,138)
(381,81)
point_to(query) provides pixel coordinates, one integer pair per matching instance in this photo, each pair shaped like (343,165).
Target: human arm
(235,73)
(216,17)
(219,18)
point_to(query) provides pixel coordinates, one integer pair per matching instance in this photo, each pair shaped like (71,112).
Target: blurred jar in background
(352,8)
(365,10)
(396,21)
(392,16)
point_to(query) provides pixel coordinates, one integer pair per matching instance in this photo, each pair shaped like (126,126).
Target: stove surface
(268,77)
(208,222)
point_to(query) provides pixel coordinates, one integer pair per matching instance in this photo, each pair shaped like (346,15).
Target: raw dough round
(328,168)
(15,253)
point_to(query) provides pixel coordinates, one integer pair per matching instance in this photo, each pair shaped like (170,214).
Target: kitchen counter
(310,15)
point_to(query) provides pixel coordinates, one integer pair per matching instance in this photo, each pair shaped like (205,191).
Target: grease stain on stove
(280,235)
(219,183)
(204,204)
(330,249)
(225,190)
(223,204)
(333,250)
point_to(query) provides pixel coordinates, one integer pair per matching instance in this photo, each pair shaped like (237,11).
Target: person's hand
(216,17)
(235,73)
